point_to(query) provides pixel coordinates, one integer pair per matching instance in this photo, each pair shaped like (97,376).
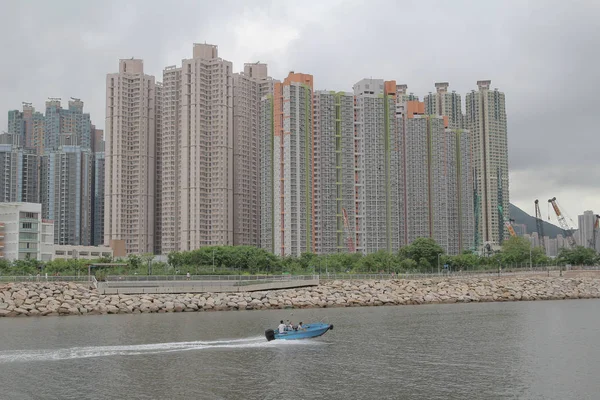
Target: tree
(578,256)
(147,259)
(464,261)
(515,250)
(134,261)
(422,248)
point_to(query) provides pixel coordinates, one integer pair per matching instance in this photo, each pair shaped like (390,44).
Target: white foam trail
(154,348)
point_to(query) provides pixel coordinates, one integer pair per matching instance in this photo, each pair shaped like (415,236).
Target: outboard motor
(331,327)
(270,334)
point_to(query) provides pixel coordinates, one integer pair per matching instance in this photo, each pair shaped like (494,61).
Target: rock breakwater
(56,298)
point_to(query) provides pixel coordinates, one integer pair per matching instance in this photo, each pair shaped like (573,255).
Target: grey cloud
(542,54)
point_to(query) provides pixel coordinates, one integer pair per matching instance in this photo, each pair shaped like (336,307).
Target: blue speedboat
(307,331)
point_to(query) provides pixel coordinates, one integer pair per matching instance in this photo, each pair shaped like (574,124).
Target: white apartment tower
(206,150)
(249,87)
(130,157)
(377,166)
(486,119)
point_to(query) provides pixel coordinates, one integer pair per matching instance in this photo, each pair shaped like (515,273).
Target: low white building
(24,234)
(81,252)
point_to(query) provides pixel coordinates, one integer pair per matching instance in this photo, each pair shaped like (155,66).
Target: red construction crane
(349,238)
(563,223)
(510,228)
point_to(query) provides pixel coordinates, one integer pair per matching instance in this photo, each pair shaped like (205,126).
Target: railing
(43,278)
(228,278)
(458,274)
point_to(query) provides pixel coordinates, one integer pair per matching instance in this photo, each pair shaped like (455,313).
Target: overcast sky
(542,54)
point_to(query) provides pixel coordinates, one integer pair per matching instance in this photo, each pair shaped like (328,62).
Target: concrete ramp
(127,285)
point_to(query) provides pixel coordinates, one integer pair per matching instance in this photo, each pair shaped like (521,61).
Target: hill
(521,217)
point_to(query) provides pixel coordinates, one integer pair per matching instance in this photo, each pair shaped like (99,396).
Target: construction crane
(349,239)
(510,228)
(540,224)
(563,223)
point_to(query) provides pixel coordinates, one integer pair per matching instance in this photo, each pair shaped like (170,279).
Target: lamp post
(438,262)
(213,261)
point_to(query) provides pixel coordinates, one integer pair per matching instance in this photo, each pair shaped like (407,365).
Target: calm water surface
(527,350)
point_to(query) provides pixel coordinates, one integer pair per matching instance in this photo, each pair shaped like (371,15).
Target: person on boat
(281,327)
(300,326)
(290,326)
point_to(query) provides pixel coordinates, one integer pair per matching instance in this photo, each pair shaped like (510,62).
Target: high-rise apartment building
(158,170)
(334,204)
(98,196)
(444,103)
(486,119)
(51,160)
(19,180)
(28,125)
(267,120)
(206,150)
(71,121)
(170,160)
(130,164)
(288,163)
(586,227)
(249,87)
(66,191)
(436,179)
(377,166)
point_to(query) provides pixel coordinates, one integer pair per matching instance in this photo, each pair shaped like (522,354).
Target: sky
(542,54)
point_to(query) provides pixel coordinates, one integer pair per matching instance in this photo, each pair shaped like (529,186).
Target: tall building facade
(158,153)
(98,198)
(170,160)
(267,167)
(586,229)
(288,212)
(66,191)
(436,179)
(249,87)
(334,204)
(486,119)
(206,150)
(19,180)
(130,164)
(377,163)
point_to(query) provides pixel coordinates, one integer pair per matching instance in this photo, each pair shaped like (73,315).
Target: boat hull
(309,331)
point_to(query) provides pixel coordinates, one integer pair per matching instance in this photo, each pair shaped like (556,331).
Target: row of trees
(423,255)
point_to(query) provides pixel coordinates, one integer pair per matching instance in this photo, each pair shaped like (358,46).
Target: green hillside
(521,217)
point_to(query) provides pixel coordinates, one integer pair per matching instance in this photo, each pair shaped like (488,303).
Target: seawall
(56,298)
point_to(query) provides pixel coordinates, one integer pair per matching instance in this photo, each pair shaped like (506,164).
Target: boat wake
(141,349)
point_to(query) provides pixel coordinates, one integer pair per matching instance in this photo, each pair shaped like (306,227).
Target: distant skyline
(66,48)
